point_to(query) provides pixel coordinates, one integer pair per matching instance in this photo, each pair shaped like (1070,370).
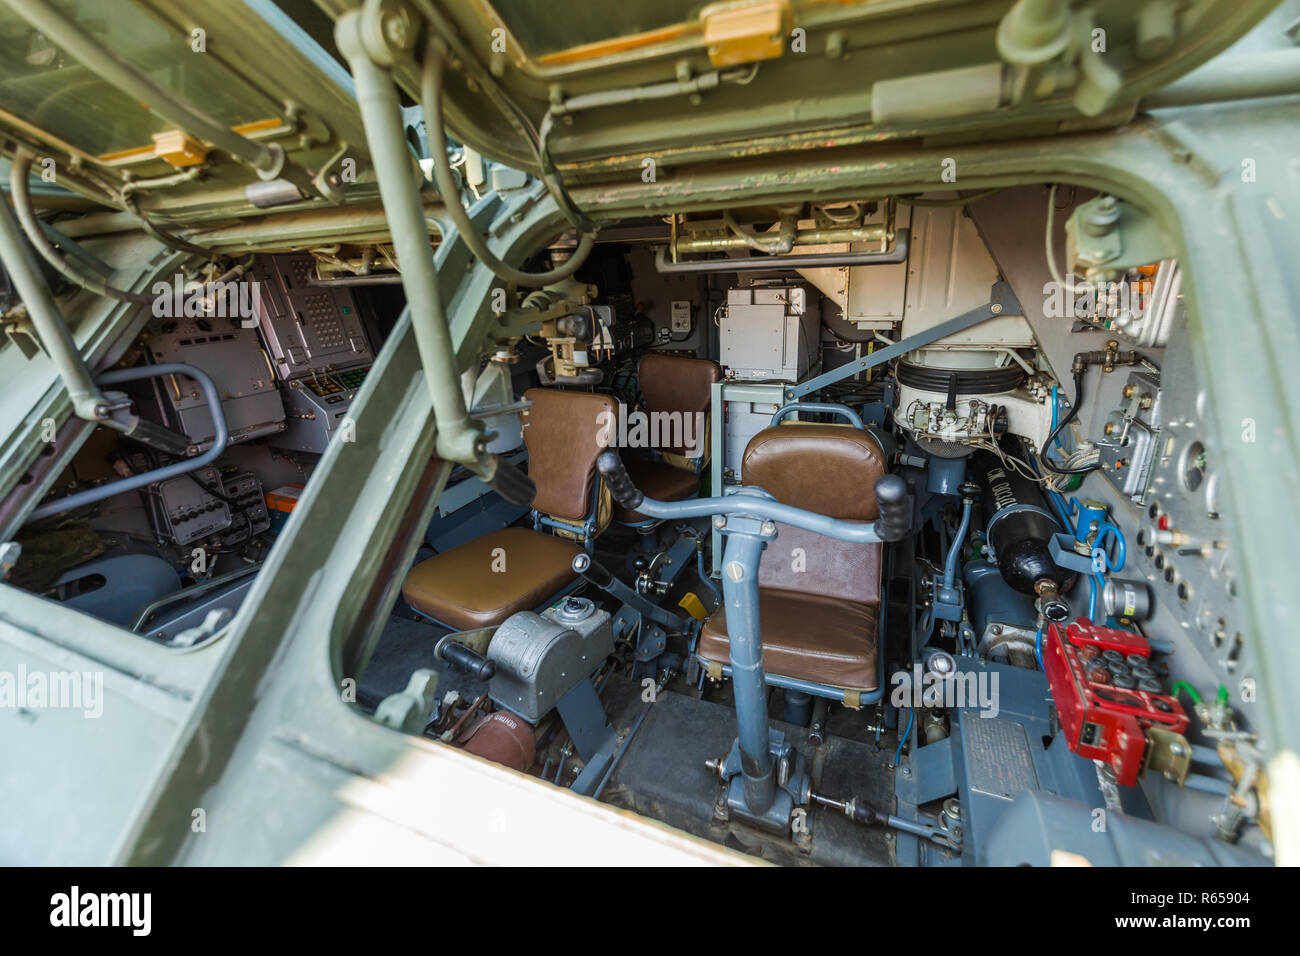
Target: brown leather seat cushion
(656,479)
(807,637)
(466,587)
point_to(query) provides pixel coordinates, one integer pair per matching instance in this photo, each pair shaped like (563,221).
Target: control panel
(1183,546)
(232,355)
(1131,435)
(334,386)
(316,407)
(184,509)
(317,346)
(307,327)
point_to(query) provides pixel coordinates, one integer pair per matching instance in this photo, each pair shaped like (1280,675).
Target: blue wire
(898,754)
(1055,406)
(1038,651)
(1121,546)
(1062,511)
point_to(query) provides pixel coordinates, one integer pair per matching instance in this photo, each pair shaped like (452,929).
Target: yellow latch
(743,31)
(692,605)
(179,148)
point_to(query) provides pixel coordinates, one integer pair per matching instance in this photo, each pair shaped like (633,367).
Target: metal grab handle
(828,408)
(222,436)
(891,493)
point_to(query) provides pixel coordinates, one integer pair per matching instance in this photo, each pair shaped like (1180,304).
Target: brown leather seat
(659,480)
(819,598)
(671,383)
(484,581)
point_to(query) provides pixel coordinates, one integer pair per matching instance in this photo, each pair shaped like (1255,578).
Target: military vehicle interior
(871,529)
(1057,493)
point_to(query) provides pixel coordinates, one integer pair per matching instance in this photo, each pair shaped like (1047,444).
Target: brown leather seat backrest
(563,431)
(671,383)
(832,470)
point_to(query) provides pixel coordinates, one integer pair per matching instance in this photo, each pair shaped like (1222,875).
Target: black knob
(594,572)
(895,508)
(1054,607)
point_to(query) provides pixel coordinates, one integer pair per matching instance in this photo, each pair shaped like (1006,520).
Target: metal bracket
(1061,548)
(1002,301)
(793,784)
(593,738)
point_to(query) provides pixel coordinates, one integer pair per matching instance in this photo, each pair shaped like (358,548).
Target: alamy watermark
(180,299)
(53,690)
(1077,298)
(972,690)
(638,429)
(133,911)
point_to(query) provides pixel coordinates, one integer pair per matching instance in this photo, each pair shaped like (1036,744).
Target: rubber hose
(21,190)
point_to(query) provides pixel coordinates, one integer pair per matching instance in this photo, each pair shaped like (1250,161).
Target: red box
(1101,721)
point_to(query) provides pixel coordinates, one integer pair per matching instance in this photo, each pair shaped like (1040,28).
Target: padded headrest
(828,469)
(562,431)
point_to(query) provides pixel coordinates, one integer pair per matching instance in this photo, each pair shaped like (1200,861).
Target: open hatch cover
(680,80)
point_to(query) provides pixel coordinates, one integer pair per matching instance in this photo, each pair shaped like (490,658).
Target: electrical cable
(898,754)
(431,89)
(22,200)
(1060,426)
(1096,584)
(166,238)
(1076,287)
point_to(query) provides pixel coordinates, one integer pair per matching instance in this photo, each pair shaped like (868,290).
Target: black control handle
(466,660)
(592,570)
(159,438)
(603,578)
(895,508)
(512,484)
(620,483)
